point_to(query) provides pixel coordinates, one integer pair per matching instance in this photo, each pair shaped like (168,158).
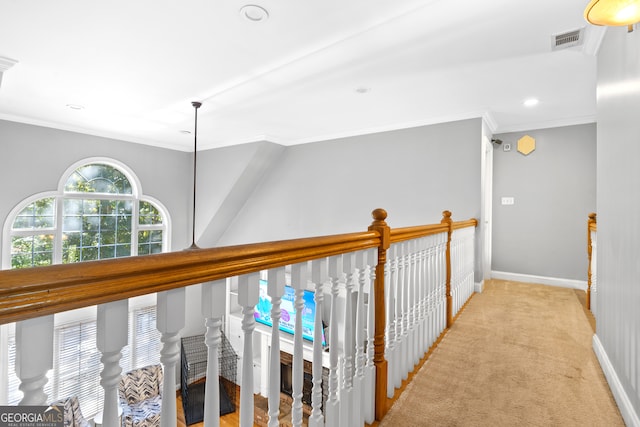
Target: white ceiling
(135,67)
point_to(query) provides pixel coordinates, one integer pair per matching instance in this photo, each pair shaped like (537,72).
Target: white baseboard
(631,418)
(542,280)
(478,287)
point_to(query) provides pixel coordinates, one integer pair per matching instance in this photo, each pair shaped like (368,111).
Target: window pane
(31,251)
(149,214)
(123,250)
(107,252)
(149,242)
(102,222)
(98,178)
(89,253)
(39,214)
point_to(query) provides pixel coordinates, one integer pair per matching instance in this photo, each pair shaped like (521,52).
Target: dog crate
(194,376)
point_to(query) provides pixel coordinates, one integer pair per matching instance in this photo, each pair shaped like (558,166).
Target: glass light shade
(613,12)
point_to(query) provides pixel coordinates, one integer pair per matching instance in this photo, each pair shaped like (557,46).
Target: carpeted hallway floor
(519,355)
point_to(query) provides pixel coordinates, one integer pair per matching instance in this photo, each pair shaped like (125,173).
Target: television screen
(262,312)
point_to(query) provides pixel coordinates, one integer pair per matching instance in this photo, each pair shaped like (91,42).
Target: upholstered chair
(72,414)
(140,393)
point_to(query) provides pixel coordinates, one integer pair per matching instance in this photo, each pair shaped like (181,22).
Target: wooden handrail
(34,292)
(592,225)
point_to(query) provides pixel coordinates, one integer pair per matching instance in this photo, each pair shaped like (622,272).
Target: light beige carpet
(518,355)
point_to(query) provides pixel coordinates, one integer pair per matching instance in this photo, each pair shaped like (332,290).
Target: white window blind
(77,365)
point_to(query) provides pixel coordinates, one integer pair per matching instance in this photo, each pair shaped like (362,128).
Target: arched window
(98,212)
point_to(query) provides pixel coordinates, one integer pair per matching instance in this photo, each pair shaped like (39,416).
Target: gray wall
(226,180)
(618,184)
(544,232)
(331,187)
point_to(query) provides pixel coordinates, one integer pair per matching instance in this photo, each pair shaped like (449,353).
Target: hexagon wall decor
(526,145)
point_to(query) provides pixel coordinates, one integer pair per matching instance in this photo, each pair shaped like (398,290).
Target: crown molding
(6,63)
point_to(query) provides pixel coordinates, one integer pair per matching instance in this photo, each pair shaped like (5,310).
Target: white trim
(542,280)
(629,415)
(547,124)
(479,287)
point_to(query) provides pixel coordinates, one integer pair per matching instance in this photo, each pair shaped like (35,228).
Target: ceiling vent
(567,39)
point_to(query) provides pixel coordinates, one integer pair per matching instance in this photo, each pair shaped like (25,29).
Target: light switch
(508,201)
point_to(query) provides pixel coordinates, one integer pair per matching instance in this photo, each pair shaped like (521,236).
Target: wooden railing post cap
(379,215)
(592,216)
(446,216)
(380,225)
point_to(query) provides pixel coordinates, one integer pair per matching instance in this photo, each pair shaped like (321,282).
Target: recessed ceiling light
(530,102)
(363,89)
(75,106)
(254,13)
(185,132)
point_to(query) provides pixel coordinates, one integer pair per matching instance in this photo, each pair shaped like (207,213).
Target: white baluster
(390,300)
(419,350)
(213,309)
(111,336)
(248,292)
(442,300)
(415,310)
(275,289)
(406,313)
(424,283)
(319,275)
(432,274)
(346,397)
(299,283)
(359,361)
(332,412)
(399,320)
(170,314)
(34,358)
(370,369)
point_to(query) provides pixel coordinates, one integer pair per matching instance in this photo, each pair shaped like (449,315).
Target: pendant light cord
(196,105)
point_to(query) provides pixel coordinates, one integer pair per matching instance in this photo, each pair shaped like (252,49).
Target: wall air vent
(567,39)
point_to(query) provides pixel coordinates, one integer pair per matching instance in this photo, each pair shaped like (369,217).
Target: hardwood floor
(229,420)
(260,413)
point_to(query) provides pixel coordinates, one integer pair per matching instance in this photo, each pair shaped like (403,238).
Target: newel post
(590,225)
(446,219)
(379,225)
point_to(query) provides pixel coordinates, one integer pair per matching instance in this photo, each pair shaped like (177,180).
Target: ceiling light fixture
(531,102)
(613,12)
(363,89)
(196,105)
(254,13)
(75,106)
